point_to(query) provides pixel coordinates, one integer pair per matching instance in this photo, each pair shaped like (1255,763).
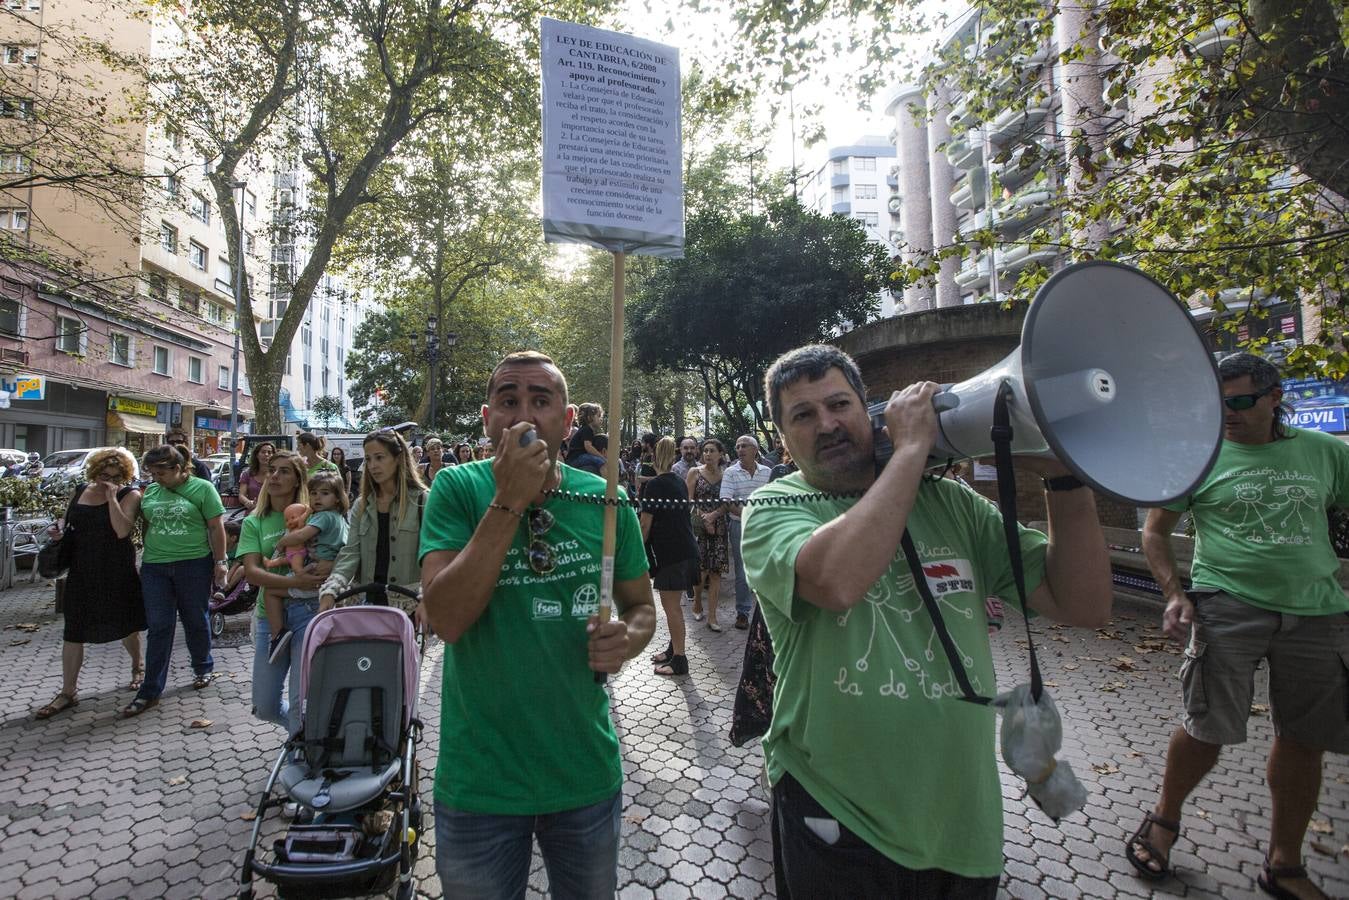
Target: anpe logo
(547,609)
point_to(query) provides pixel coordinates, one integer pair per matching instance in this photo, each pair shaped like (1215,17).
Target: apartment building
(859,180)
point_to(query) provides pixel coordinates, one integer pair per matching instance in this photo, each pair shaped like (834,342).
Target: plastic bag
(1031,736)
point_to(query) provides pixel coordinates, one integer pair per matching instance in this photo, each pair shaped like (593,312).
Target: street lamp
(432,349)
(239,269)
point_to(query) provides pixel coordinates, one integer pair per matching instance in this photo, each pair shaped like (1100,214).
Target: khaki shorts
(1308,673)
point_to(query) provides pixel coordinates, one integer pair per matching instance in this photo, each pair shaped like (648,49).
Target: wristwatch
(222,562)
(1063,483)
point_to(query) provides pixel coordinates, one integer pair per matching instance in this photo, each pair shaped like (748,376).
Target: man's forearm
(1077,562)
(1161,557)
(456,596)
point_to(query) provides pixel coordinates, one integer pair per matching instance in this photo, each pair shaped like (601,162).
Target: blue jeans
(179,590)
(268,678)
(744,598)
(486,857)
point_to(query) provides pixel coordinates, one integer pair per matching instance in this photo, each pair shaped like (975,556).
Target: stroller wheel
(217,624)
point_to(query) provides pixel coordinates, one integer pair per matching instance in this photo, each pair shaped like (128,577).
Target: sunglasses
(542,560)
(1240,402)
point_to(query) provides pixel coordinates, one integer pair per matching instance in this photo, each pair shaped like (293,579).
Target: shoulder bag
(56,556)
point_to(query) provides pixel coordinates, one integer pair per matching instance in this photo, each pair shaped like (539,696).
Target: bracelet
(1063,483)
(504,508)
(222,562)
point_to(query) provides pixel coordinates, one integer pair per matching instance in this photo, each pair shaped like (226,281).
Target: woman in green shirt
(184,553)
(311,451)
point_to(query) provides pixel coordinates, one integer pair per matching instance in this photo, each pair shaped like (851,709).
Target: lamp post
(239,270)
(432,351)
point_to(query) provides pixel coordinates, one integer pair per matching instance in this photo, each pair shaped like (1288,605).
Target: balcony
(842,208)
(1211,42)
(966,152)
(1025,163)
(966,228)
(1018,119)
(974,271)
(892,179)
(1019,256)
(1023,207)
(896,204)
(896,237)
(960,116)
(969,194)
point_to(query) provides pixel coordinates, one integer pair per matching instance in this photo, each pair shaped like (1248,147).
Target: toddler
(323,534)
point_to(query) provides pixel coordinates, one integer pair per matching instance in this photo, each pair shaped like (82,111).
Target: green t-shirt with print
(320,465)
(1261,531)
(867,714)
(176,520)
(259,534)
(524,728)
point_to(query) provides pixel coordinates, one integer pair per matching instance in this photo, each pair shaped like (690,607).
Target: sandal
(1140,841)
(202,680)
(56,706)
(137,678)
(678,665)
(713,626)
(138,706)
(1269,878)
(664,655)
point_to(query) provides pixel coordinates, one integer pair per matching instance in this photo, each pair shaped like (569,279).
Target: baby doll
(292,549)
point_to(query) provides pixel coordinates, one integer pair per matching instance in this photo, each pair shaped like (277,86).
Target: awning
(134,423)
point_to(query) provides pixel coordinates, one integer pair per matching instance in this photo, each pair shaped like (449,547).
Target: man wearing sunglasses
(1264,587)
(510,580)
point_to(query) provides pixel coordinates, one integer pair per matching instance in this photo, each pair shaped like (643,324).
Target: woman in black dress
(671,550)
(103,590)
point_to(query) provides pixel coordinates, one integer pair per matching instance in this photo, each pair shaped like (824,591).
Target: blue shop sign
(1317,404)
(208,424)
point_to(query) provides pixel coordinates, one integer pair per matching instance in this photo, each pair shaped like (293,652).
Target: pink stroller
(352,766)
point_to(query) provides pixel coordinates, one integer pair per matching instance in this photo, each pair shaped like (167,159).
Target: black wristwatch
(1063,483)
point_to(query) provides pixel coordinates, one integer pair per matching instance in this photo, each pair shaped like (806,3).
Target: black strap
(947,644)
(330,741)
(75,498)
(377,742)
(1001,433)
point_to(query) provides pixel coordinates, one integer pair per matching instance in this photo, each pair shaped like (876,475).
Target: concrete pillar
(914,184)
(1080,88)
(941,178)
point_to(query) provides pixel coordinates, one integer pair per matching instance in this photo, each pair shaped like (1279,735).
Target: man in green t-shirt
(884,781)
(511,581)
(1265,586)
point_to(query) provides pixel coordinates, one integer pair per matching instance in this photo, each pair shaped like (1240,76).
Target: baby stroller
(240,598)
(352,767)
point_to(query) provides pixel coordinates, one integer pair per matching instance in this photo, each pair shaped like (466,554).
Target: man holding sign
(511,577)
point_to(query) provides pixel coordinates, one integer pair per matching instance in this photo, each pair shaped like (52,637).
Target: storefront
(211,435)
(134,424)
(51,415)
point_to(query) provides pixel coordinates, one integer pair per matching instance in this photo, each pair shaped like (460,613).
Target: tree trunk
(1078,35)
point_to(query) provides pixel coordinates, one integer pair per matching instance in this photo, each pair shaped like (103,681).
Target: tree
(339,87)
(327,408)
(748,289)
(1206,143)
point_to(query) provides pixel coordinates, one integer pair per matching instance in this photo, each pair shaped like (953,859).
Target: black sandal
(676,665)
(203,680)
(1269,878)
(1140,841)
(138,706)
(663,656)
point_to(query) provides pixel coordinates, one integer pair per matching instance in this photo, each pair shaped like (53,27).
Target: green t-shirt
(524,728)
(321,465)
(259,534)
(1261,532)
(332,536)
(176,520)
(866,711)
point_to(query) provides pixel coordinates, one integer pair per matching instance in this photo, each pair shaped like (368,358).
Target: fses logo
(547,609)
(949,576)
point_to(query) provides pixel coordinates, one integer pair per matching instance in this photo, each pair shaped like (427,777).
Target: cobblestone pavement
(95,806)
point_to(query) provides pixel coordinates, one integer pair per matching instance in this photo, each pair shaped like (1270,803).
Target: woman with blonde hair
(671,550)
(103,590)
(435,459)
(383,542)
(286,483)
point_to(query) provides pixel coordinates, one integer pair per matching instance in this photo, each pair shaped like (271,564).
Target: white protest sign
(612,150)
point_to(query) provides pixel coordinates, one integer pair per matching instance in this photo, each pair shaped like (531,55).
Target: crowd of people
(825,549)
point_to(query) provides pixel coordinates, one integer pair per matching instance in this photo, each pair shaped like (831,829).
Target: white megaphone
(1112,377)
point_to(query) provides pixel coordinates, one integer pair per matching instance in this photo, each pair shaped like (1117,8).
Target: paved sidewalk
(95,806)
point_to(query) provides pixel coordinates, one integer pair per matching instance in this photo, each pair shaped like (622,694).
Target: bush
(31,497)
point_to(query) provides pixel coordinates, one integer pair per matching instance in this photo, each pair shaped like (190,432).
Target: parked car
(69,465)
(10,458)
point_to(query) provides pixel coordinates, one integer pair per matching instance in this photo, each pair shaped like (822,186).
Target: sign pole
(611,457)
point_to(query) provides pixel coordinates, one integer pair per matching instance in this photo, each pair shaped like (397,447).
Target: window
(16,108)
(170,185)
(11,312)
(840,193)
(243,384)
(14,163)
(868,218)
(251,204)
(195,368)
(189,301)
(308,374)
(17,54)
(287,363)
(215,313)
(69,335)
(162,361)
(157,287)
(323,347)
(119,348)
(840,167)
(196,255)
(223,378)
(248,242)
(324,379)
(224,273)
(168,237)
(865,163)
(175,137)
(864,191)
(14,219)
(206,165)
(306,337)
(201,208)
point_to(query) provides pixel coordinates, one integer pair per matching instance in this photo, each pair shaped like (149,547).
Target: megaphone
(1112,377)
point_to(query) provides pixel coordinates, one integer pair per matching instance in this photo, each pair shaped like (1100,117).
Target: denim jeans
(180,590)
(486,857)
(268,678)
(814,855)
(744,597)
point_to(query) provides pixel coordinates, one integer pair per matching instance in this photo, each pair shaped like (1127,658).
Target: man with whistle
(510,581)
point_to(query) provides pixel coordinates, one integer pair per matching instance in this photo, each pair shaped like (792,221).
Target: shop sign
(24,387)
(1317,404)
(206,423)
(135,407)
(1330,419)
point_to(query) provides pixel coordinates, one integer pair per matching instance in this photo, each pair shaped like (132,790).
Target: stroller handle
(375,585)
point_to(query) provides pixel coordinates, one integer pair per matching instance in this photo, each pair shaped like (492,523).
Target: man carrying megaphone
(883,780)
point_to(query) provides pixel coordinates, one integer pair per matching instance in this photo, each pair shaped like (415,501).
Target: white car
(69,464)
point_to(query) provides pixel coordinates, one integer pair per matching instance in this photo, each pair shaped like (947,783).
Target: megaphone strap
(939,624)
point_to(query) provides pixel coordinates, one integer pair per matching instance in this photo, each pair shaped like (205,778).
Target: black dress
(103,589)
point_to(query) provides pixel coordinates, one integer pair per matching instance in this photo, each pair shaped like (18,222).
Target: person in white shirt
(741,479)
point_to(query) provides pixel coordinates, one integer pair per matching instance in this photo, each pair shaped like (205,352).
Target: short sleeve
(992,546)
(210,501)
(629,551)
(1181,505)
(324,521)
(727,492)
(250,538)
(449,518)
(770,540)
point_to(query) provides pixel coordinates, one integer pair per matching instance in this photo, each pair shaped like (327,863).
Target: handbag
(55,557)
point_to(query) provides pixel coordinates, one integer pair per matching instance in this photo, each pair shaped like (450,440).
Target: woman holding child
(385,527)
